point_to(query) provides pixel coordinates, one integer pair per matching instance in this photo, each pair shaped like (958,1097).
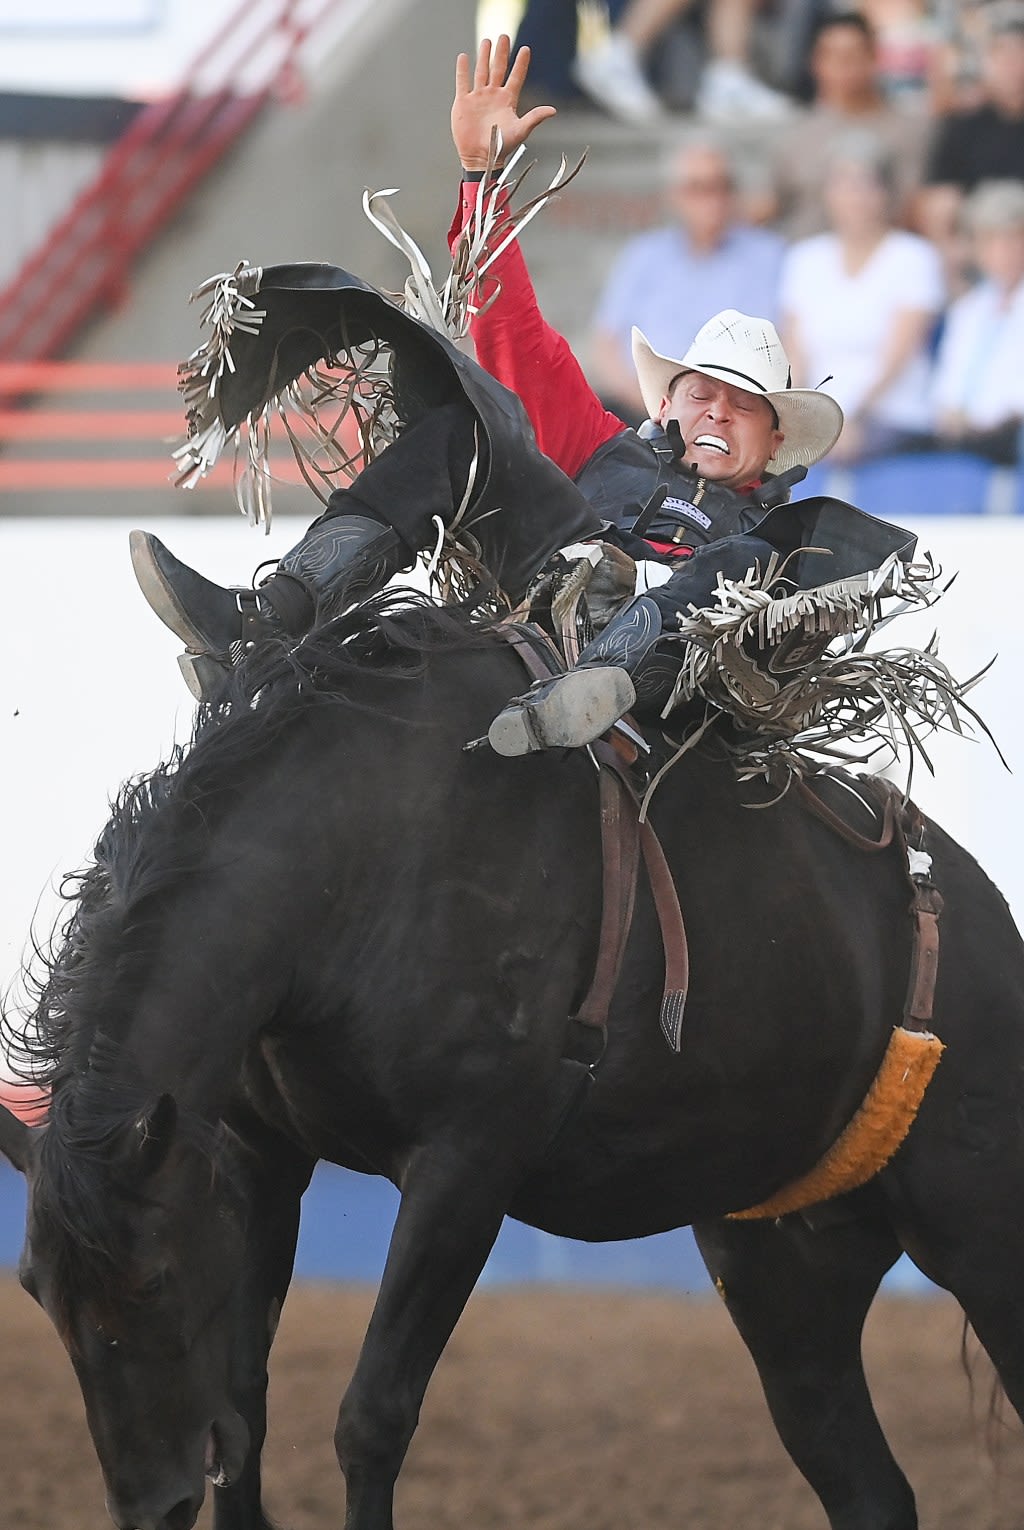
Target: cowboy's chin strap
(677,445)
(775,490)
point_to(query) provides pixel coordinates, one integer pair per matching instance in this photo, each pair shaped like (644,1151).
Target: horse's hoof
(566,713)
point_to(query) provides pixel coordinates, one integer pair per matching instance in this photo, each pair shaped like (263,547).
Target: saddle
(843,804)
(548,631)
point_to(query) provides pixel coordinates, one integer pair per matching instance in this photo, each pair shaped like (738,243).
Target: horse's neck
(185,1032)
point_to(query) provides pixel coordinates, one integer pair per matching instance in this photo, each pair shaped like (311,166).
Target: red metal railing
(171,144)
(25,1101)
(155,416)
(114,432)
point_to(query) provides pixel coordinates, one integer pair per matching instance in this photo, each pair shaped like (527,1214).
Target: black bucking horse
(325,930)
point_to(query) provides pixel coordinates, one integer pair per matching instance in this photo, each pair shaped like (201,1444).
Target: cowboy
(726,434)
(726,437)
(725,431)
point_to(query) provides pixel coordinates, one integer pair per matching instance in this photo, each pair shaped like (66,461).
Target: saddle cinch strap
(623,839)
(884,1118)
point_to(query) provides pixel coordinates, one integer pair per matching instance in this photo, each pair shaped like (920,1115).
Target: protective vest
(624,474)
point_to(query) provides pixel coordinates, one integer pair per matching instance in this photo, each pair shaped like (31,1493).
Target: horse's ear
(14,1139)
(154,1128)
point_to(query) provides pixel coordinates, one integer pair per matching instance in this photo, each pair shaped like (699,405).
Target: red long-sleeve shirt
(516,344)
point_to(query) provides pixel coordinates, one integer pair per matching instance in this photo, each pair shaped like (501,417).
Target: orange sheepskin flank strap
(873,1135)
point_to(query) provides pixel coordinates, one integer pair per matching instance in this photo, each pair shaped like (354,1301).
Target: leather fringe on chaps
(871,1138)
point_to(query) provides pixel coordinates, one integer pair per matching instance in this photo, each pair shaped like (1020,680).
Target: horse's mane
(80,1194)
(390,634)
(62,1039)
(160,821)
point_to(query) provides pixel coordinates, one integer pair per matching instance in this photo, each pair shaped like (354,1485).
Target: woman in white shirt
(859,305)
(978,388)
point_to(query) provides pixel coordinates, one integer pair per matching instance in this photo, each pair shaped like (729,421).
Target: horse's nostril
(183,1516)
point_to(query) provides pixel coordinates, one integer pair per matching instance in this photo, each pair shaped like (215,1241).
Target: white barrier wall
(90,692)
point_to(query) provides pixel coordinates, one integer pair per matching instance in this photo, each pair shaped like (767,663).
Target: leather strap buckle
(252,622)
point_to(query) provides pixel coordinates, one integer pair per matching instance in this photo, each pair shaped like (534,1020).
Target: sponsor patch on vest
(685,508)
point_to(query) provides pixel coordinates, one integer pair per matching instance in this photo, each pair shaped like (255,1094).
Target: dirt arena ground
(551,1410)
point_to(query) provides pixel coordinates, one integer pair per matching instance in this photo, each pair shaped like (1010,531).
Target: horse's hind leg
(993,1309)
(956,1204)
(799,1299)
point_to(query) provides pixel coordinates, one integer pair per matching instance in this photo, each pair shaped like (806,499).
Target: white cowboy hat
(747,352)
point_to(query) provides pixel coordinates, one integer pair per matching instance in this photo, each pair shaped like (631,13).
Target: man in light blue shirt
(666,281)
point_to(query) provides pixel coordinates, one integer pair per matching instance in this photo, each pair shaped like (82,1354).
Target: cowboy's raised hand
(490,98)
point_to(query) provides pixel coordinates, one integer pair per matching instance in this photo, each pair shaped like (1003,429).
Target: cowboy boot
(367,533)
(350,556)
(623,667)
(608,678)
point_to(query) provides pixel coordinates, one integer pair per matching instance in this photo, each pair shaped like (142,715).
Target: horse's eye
(151,1287)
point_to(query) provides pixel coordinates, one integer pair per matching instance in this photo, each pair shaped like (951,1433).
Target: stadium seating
(922,483)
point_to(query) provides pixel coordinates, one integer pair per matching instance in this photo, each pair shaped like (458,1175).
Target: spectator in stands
(667,280)
(859,303)
(985,143)
(978,390)
(613,73)
(962,88)
(550,29)
(910,51)
(847,94)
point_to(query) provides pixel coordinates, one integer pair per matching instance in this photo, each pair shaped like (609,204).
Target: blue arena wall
(347,1220)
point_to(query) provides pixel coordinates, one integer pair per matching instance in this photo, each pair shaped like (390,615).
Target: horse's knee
(373,1433)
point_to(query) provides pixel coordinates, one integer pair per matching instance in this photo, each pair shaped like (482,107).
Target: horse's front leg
(279,1175)
(454,1195)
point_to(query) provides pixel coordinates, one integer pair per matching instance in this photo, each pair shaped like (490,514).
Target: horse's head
(136,1253)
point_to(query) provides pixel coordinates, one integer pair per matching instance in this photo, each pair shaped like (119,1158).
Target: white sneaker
(611,76)
(730,93)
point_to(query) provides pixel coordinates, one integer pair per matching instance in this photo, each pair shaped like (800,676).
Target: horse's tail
(993,1424)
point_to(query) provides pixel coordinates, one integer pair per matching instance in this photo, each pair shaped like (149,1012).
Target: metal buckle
(250,617)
